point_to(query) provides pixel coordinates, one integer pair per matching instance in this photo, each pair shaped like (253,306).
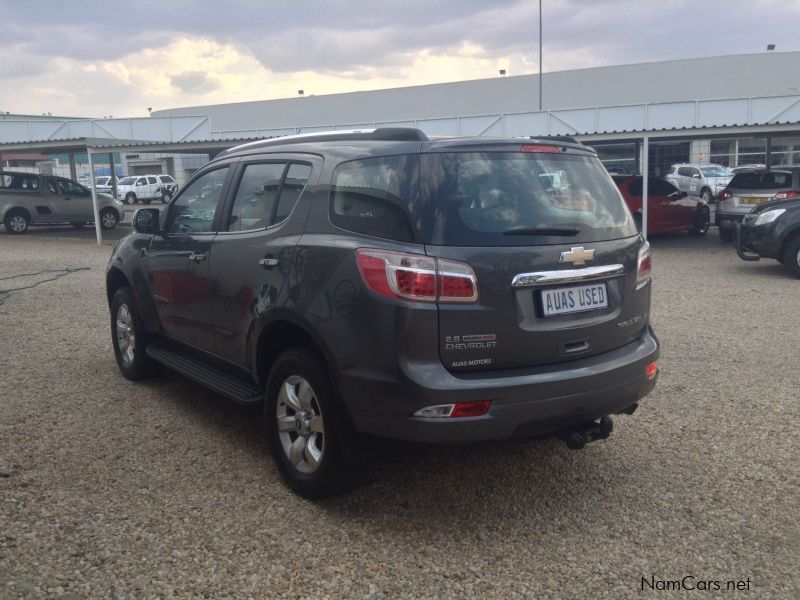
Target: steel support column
(97,227)
(645,181)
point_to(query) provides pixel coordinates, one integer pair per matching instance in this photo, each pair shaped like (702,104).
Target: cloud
(194,82)
(81,59)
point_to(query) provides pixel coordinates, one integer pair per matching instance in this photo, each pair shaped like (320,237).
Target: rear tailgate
(510,326)
(553,248)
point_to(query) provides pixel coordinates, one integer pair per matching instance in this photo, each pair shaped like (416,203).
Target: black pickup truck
(772,230)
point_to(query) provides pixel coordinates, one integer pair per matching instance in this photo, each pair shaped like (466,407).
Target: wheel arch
(115,279)
(281,334)
(788,238)
(12,209)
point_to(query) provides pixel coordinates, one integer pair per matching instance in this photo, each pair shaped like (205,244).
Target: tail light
(787,195)
(651,370)
(416,277)
(538,148)
(643,266)
(725,194)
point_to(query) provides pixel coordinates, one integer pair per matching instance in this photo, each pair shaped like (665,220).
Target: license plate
(561,301)
(751,200)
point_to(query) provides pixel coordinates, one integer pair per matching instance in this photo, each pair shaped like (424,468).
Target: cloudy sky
(87,58)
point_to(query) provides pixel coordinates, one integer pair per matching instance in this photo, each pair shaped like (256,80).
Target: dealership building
(731,110)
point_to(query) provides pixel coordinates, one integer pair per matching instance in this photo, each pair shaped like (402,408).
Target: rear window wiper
(565,231)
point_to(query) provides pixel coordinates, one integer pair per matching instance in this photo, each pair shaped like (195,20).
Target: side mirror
(145,220)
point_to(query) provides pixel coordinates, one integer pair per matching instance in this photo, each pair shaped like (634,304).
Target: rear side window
(764,180)
(374,196)
(167,179)
(514,199)
(19,182)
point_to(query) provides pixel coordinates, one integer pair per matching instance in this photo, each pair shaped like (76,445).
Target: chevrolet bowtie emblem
(577,255)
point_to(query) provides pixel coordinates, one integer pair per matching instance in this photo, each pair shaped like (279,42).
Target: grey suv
(749,189)
(33,199)
(380,282)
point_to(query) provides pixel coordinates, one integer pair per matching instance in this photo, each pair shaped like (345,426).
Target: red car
(669,210)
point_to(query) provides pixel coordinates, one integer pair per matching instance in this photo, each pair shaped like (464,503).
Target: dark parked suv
(437,290)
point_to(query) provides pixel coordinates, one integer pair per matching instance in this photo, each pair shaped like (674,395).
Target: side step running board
(204,374)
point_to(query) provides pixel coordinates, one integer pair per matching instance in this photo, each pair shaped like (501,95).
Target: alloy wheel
(17,224)
(126,337)
(301,428)
(108,220)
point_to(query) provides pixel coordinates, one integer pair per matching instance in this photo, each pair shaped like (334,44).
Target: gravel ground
(112,489)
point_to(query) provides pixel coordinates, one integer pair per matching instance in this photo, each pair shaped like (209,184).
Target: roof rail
(380,134)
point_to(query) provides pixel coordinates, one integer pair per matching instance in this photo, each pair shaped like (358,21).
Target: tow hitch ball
(580,435)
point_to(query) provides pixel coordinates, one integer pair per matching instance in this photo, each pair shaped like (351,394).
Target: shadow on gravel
(426,487)
(766,267)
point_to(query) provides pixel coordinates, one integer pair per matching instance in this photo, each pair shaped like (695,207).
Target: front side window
(193,210)
(684,172)
(256,196)
(70,187)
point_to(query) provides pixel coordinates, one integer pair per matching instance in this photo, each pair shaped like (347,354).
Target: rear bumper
(728,220)
(524,402)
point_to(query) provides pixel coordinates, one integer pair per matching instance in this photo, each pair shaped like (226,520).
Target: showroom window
(618,159)
(785,152)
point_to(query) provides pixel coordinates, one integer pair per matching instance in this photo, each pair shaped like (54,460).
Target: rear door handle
(268,263)
(197,257)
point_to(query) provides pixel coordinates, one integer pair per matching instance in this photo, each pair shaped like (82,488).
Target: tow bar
(578,436)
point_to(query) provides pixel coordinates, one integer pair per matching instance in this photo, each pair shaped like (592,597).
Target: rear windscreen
(765,180)
(516,199)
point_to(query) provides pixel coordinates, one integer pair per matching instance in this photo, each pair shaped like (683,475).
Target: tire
(129,338)
(725,234)
(307,448)
(701,224)
(706,195)
(791,257)
(17,221)
(130,198)
(108,218)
